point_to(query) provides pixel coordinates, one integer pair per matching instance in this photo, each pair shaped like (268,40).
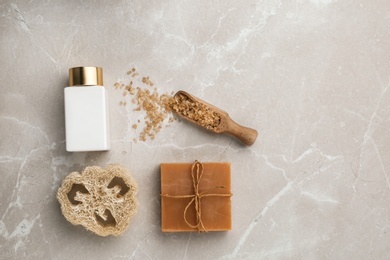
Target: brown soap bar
(179,211)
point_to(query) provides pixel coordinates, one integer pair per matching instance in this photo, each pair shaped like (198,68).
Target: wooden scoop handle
(245,134)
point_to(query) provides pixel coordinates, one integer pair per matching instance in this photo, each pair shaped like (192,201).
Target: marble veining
(312,76)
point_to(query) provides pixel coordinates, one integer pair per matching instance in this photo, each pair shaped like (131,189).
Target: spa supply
(102,200)
(195,197)
(211,117)
(155,108)
(86,111)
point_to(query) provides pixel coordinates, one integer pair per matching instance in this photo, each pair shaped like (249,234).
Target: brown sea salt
(158,107)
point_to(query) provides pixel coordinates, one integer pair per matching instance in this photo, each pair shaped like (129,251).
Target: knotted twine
(197,170)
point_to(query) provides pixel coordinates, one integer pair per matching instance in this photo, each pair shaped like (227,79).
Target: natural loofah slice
(102,200)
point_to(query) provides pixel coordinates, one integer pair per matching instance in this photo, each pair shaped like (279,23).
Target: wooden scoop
(224,125)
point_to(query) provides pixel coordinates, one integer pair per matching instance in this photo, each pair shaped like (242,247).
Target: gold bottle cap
(86,76)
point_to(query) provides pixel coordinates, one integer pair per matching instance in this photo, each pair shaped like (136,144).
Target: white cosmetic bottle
(86,111)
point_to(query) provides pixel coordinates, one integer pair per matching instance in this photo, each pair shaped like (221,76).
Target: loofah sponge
(102,200)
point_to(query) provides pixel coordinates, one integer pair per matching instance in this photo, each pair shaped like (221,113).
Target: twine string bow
(197,170)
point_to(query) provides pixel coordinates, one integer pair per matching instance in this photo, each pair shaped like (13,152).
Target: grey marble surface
(311,76)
